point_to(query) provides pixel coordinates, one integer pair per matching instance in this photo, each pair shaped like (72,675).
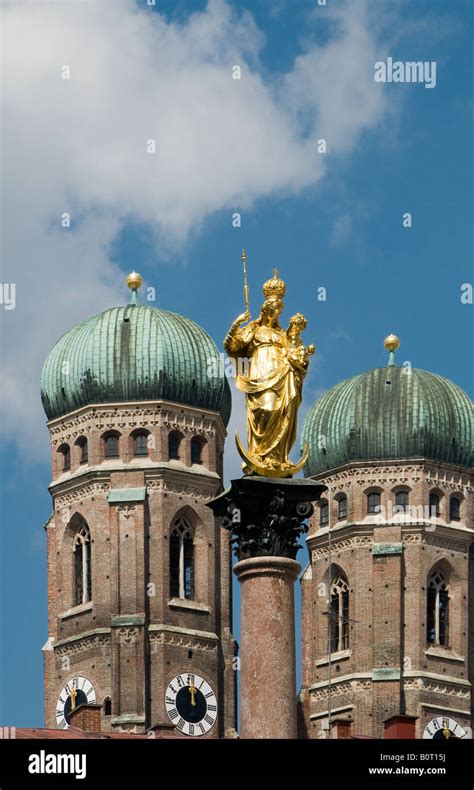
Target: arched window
(82,565)
(197,445)
(140,443)
(342,507)
(324,515)
(83,449)
(454,509)
(373,502)
(339,615)
(111,445)
(181,560)
(65,451)
(107,706)
(401,502)
(434,505)
(174,440)
(437,619)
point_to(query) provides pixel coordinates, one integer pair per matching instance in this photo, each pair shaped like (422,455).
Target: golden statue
(278,362)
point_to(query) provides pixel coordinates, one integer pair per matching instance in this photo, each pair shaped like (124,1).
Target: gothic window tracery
(82,565)
(437,621)
(339,615)
(181,560)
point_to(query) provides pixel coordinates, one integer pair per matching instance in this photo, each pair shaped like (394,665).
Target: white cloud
(341,230)
(79,145)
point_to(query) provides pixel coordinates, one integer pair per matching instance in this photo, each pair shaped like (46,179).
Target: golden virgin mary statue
(277,362)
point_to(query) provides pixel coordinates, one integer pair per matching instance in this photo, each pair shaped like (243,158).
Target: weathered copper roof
(389,413)
(134,353)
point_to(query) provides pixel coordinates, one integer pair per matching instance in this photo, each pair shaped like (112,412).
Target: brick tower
(387,603)
(139,582)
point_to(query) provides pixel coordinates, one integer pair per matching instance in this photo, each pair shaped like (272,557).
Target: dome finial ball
(134,280)
(392,342)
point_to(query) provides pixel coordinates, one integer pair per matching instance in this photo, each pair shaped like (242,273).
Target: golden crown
(274,287)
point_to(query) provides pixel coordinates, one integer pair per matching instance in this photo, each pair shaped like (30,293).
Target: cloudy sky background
(329,220)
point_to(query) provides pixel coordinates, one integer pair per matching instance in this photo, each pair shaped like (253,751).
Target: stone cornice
(446,680)
(342,679)
(175,629)
(133,414)
(87,476)
(449,679)
(189,638)
(435,471)
(161,476)
(80,642)
(171,470)
(350,536)
(421,682)
(357,534)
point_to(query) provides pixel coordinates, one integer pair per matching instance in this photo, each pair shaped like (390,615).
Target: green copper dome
(134,353)
(389,413)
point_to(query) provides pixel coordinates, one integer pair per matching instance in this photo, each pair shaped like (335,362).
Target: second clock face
(77,691)
(191,704)
(444,727)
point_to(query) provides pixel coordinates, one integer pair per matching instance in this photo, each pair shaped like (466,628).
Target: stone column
(266,518)
(267,647)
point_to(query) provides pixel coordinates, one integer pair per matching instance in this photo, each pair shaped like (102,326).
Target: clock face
(77,691)
(191,704)
(444,727)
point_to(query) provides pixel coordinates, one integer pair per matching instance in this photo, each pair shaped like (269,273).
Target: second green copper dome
(389,413)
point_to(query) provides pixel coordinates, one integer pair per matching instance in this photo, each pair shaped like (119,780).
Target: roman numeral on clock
(208,719)
(173,713)
(180,724)
(212,707)
(169,700)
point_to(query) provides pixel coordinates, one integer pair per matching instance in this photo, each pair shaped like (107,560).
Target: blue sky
(329,220)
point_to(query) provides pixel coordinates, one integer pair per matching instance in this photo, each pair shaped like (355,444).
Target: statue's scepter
(246,286)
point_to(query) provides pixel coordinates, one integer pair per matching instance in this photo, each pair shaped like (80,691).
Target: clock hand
(192,691)
(72,696)
(446,732)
